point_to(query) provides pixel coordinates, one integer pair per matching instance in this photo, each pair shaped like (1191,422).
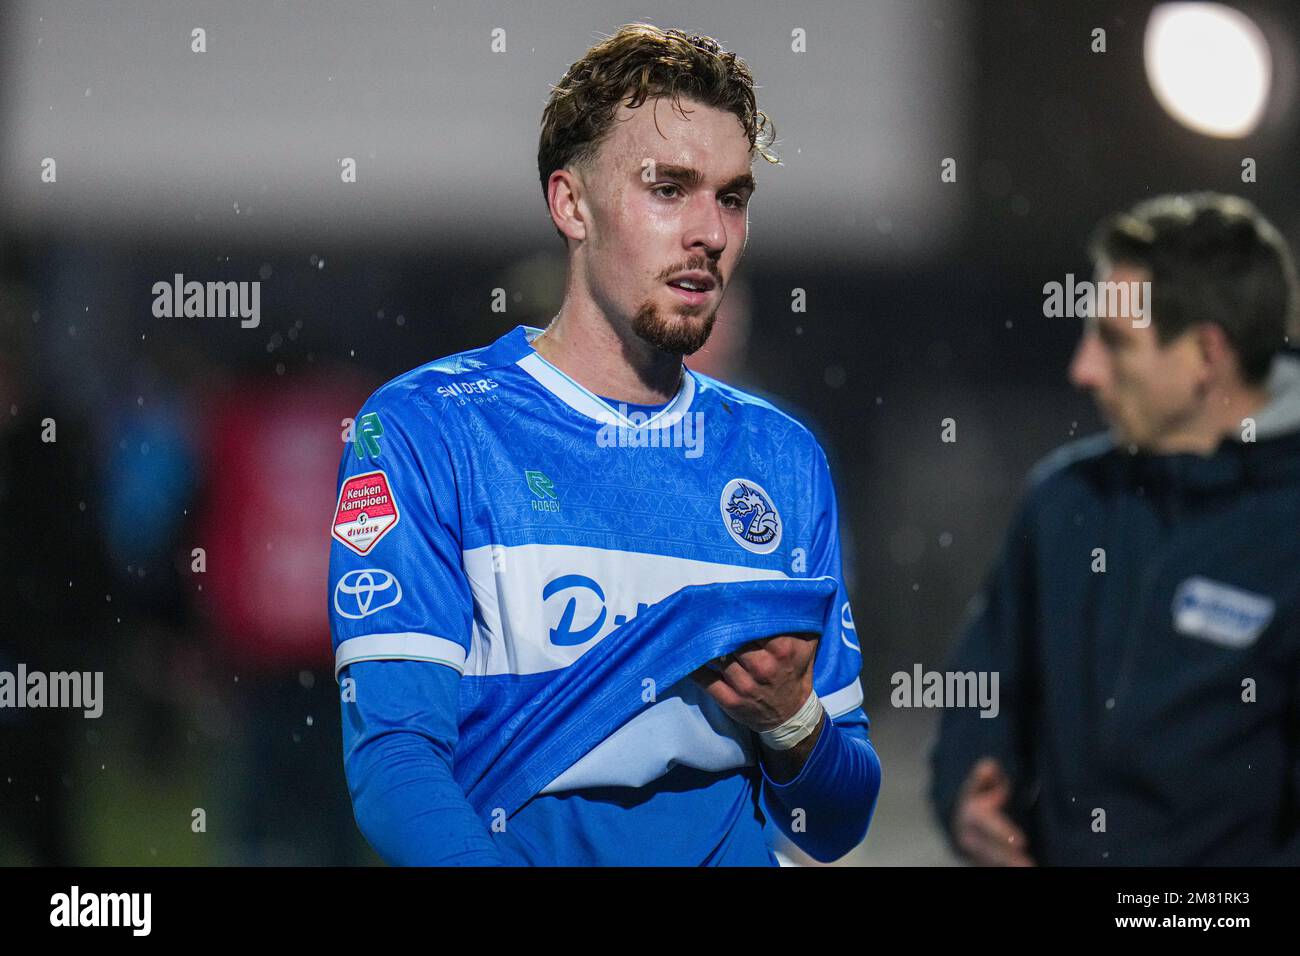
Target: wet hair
(636,63)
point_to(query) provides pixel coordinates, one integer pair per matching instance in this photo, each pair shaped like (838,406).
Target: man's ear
(1217,354)
(564,195)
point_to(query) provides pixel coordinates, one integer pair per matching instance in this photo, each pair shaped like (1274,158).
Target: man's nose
(706,232)
(1088,363)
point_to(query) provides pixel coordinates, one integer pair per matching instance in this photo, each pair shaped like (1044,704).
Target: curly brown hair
(637,62)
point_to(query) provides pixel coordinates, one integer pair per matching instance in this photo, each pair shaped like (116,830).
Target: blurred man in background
(1144,616)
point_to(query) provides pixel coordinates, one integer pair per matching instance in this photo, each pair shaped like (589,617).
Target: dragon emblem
(751,518)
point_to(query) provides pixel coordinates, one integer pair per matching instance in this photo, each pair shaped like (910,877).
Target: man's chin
(676,333)
(1127,438)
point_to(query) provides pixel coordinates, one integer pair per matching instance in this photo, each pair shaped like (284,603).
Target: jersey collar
(585,401)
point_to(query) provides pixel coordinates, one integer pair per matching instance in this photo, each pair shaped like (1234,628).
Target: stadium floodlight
(1209,67)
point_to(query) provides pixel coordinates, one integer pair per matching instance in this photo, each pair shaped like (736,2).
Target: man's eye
(739,201)
(665,186)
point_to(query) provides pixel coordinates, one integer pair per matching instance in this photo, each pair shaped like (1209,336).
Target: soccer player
(587,605)
(1145,614)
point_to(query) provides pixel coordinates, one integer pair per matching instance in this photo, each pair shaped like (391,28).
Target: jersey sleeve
(401,618)
(399,741)
(838,665)
(827,808)
(397,587)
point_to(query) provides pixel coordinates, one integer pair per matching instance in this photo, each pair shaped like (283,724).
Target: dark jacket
(1164,690)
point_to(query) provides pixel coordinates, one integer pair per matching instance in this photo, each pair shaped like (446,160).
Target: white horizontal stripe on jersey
(840,702)
(685,728)
(408,646)
(513,624)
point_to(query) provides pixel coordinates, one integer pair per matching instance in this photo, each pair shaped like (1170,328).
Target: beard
(678,334)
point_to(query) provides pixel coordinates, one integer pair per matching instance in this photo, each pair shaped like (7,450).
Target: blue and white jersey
(496,517)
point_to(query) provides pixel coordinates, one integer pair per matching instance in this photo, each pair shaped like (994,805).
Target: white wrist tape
(797,728)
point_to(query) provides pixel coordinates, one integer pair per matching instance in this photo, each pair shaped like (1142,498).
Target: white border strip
(843,700)
(406,646)
(588,403)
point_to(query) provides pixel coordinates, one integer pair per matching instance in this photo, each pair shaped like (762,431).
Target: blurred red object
(265,512)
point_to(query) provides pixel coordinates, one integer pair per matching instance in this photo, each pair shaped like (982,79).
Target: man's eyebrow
(743,181)
(689,176)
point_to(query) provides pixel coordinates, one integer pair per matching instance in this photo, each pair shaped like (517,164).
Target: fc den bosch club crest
(750,517)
